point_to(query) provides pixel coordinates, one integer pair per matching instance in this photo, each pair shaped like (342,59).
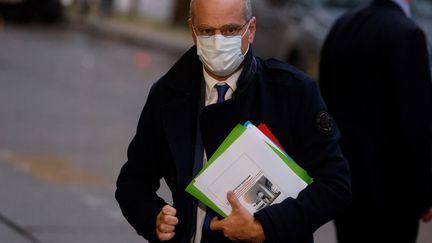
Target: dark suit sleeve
(317,151)
(411,73)
(140,176)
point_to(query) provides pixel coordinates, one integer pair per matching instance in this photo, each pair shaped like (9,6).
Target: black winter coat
(375,79)
(269,92)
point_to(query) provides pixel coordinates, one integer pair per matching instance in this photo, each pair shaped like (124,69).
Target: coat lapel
(179,123)
(179,116)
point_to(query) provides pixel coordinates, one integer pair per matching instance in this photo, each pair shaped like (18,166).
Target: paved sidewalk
(35,211)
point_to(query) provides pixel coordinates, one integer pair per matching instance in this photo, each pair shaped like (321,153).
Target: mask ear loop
(193,30)
(247,28)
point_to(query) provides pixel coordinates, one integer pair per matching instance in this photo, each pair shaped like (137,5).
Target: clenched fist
(166,222)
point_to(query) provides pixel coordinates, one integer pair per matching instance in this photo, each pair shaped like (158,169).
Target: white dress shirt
(211,96)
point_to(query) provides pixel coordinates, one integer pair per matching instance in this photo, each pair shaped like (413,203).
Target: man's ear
(191,30)
(252,29)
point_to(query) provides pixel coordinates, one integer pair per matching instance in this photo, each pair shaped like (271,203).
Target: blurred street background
(74,76)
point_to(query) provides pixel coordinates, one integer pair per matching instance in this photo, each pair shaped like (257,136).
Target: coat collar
(186,74)
(388,4)
(246,77)
(402,4)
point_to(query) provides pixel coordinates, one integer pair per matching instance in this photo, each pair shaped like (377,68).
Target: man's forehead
(231,3)
(220,12)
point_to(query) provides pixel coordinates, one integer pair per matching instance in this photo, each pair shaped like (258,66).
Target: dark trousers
(368,227)
(214,237)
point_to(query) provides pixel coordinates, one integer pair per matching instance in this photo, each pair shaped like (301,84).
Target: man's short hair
(247,8)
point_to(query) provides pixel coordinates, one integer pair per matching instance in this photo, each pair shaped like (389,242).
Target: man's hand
(427,216)
(166,222)
(240,225)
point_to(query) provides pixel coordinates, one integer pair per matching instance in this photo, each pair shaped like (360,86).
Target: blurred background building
(298,26)
(291,30)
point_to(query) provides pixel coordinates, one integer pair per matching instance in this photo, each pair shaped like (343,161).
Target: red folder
(264,129)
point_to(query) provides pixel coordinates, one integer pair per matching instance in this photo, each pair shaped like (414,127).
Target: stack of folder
(253,164)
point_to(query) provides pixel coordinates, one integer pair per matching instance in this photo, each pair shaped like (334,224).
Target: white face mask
(221,55)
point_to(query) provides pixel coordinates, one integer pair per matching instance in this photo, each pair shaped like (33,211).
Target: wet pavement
(69,105)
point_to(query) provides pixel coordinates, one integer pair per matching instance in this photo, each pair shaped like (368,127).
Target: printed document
(255,169)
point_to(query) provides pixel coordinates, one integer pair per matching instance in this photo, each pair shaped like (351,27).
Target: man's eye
(206,31)
(230,30)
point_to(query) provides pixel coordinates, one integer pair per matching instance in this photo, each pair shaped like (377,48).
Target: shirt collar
(211,82)
(406,8)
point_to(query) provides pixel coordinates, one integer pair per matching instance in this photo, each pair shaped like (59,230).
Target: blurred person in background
(376,81)
(216,85)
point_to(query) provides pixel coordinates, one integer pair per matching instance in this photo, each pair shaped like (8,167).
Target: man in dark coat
(182,123)
(375,79)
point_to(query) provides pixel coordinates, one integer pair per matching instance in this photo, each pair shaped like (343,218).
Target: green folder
(230,139)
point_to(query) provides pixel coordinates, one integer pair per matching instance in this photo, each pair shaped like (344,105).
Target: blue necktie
(221,89)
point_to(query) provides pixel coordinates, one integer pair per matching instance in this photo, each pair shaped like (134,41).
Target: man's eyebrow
(225,25)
